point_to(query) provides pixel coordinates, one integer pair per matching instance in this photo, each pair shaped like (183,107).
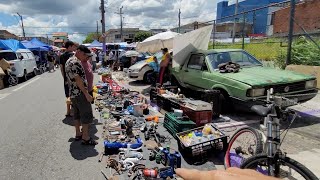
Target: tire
(257,150)
(251,163)
(13,80)
(225,103)
(148,77)
(24,77)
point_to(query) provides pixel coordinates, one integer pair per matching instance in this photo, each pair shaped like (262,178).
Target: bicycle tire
(251,162)
(259,143)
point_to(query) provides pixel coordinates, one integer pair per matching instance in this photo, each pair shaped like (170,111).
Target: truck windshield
(9,56)
(240,57)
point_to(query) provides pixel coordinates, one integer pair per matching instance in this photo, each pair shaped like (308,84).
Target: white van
(22,62)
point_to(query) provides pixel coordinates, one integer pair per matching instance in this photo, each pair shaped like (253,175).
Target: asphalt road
(37,140)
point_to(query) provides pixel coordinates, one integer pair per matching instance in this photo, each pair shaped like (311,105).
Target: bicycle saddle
(261,110)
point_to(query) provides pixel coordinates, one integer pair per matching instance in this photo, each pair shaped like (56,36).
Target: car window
(196,62)
(240,57)
(30,55)
(25,55)
(9,56)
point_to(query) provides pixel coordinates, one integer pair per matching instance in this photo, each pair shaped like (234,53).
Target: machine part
(114,164)
(153,173)
(126,165)
(133,160)
(166,172)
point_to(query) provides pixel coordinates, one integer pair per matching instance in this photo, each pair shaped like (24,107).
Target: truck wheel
(24,77)
(13,80)
(149,77)
(225,103)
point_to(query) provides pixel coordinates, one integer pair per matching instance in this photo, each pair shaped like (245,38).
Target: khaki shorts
(82,109)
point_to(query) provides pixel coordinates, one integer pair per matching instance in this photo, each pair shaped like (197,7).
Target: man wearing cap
(80,97)
(70,47)
(164,65)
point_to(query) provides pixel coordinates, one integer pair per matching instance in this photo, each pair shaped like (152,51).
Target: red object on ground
(199,117)
(150,173)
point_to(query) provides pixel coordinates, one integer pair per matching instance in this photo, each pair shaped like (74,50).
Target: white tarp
(186,43)
(154,43)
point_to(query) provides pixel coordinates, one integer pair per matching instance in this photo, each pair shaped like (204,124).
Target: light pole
(24,34)
(234,23)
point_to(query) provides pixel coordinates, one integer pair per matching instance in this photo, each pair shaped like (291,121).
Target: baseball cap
(85,50)
(68,44)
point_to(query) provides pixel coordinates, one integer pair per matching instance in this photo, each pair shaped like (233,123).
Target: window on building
(118,36)
(131,35)
(272,19)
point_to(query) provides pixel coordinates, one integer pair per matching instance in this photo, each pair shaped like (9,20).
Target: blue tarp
(36,42)
(95,43)
(11,44)
(32,46)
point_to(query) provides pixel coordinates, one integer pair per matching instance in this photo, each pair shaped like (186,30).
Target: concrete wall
(307,15)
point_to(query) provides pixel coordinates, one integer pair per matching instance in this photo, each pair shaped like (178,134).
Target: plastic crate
(181,124)
(199,117)
(202,148)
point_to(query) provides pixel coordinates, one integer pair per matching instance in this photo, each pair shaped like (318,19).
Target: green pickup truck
(200,71)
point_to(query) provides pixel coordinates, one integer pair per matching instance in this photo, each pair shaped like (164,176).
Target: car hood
(263,76)
(138,65)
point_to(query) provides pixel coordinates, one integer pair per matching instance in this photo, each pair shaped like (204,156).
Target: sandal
(90,142)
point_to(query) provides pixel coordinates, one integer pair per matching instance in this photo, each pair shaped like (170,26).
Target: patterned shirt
(73,68)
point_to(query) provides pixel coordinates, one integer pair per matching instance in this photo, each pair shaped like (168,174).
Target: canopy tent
(36,42)
(31,46)
(186,43)
(154,43)
(11,44)
(95,43)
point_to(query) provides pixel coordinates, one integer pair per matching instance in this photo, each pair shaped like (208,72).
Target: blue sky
(79,17)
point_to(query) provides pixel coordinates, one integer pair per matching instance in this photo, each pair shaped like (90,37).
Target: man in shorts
(80,97)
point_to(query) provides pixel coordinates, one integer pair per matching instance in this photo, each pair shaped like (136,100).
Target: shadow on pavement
(138,83)
(81,152)
(68,121)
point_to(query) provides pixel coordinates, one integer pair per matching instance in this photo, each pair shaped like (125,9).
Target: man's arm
(83,89)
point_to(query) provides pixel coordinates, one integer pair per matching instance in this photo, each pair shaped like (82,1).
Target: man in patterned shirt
(80,97)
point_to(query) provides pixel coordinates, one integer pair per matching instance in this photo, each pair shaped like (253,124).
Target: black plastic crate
(153,94)
(202,149)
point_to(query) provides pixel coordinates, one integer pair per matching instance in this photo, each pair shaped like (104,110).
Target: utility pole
(214,33)
(97,31)
(179,21)
(291,26)
(234,23)
(121,24)
(24,34)
(103,23)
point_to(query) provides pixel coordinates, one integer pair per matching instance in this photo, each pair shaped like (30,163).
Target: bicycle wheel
(245,143)
(289,168)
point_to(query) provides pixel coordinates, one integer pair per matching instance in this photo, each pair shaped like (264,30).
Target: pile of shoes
(229,67)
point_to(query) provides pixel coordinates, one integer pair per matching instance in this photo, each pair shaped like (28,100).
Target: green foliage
(305,52)
(91,37)
(141,36)
(280,60)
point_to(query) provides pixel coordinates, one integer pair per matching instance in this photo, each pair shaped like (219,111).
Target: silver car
(141,71)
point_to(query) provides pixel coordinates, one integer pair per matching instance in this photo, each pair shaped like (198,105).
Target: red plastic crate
(199,117)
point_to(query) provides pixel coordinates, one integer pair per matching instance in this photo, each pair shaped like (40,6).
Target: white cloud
(81,15)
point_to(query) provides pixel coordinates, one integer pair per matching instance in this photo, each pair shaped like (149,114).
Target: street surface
(37,140)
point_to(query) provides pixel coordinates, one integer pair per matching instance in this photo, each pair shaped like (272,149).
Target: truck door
(192,76)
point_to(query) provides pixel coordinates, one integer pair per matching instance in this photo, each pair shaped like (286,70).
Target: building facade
(189,27)
(258,19)
(42,39)
(4,34)
(59,38)
(307,15)
(114,35)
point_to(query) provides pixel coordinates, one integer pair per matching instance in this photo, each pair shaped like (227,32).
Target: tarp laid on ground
(154,43)
(186,43)
(11,44)
(36,42)
(31,46)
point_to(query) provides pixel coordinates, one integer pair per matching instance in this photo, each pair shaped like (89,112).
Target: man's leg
(68,102)
(77,124)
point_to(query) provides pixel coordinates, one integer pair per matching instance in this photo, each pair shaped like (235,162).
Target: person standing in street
(80,97)
(164,65)
(70,47)
(89,74)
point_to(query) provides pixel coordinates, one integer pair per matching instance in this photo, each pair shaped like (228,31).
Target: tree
(141,36)
(91,37)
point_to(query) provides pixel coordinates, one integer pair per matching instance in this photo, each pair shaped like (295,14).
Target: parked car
(246,87)
(125,62)
(22,62)
(143,71)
